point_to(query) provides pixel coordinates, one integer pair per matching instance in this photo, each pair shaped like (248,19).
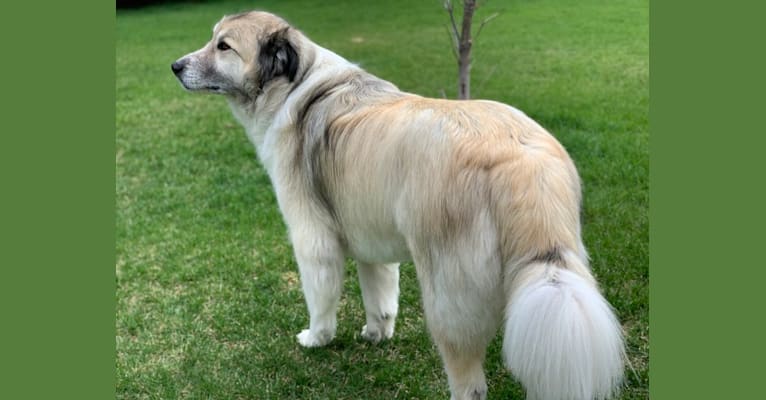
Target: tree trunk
(464,51)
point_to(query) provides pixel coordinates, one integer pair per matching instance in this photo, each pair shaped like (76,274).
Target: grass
(208,298)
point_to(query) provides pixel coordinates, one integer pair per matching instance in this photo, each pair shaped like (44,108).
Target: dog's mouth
(214,89)
(211,88)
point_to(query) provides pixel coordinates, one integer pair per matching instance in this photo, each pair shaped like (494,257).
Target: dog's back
(424,166)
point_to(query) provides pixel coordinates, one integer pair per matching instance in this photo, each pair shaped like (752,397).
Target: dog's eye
(223,46)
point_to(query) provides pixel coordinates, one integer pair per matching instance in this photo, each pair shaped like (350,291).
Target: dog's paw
(375,335)
(306,339)
(371,335)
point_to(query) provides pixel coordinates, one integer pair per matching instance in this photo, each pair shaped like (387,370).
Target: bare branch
(454,40)
(450,11)
(486,78)
(484,22)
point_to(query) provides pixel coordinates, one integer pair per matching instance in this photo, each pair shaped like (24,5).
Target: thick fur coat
(483,199)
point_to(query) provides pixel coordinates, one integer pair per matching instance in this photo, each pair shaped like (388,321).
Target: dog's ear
(277,57)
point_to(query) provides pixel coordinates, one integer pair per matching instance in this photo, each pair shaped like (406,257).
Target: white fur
(380,292)
(561,338)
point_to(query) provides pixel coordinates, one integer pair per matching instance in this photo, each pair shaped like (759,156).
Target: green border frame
(57,206)
(57,170)
(706,147)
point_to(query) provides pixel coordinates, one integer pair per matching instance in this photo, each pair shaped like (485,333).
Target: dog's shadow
(349,367)
(270,364)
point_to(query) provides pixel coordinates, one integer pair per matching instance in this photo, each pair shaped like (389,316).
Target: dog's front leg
(321,262)
(380,292)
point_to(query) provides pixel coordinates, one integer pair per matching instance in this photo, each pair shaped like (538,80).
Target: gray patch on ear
(277,57)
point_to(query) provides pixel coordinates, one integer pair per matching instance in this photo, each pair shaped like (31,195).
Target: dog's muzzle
(184,70)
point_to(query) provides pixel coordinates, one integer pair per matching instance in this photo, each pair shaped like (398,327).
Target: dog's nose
(177,67)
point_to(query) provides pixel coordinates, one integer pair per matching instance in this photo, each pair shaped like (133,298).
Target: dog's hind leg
(321,262)
(465,370)
(380,292)
(463,313)
(462,337)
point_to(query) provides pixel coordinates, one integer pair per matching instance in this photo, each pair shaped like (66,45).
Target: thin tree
(462,43)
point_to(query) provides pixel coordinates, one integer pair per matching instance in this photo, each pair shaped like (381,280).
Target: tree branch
(484,22)
(454,41)
(486,78)
(455,35)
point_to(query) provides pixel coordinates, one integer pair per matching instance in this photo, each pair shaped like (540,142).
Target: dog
(481,198)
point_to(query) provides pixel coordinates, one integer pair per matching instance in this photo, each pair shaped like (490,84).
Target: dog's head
(248,51)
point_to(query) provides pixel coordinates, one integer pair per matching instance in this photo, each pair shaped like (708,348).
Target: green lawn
(208,298)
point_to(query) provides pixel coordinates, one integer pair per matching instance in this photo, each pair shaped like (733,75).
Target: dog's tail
(562,339)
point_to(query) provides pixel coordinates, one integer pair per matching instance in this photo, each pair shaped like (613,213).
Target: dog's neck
(272,113)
